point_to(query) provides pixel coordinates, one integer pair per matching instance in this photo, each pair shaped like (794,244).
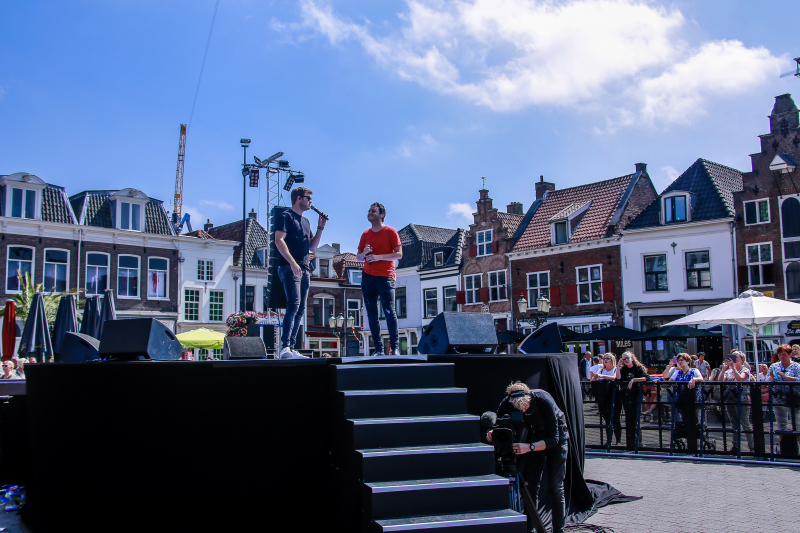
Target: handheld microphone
(320,213)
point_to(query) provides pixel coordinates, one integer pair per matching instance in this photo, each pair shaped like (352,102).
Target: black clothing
(544,419)
(629,399)
(556,472)
(298,237)
(583,369)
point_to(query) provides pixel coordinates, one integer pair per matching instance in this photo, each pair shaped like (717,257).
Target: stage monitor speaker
(452,333)
(275,297)
(546,339)
(269,337)
(243,348)
(78,348)
(138,338)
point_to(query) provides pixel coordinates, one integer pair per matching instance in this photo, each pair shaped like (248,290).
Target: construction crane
(177,221)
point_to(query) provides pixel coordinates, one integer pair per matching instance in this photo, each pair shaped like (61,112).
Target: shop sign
(793,328)
(623,344)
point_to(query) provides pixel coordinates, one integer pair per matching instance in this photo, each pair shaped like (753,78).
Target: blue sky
(408,103)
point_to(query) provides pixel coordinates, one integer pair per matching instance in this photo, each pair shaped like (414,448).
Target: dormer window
(130,216)
(23,194)
(561,233)
(675,209)
(564,223)
(261,257)
(438,259)
(128,209)
(23,203)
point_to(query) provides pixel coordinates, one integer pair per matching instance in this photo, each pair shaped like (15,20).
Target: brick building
(768,220)
(567,248)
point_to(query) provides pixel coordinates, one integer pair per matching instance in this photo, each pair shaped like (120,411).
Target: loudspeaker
(546,339)
(276,295)
(138,338)
(459,333)
(78,348)
(269,337)
(241,348)
(253,330)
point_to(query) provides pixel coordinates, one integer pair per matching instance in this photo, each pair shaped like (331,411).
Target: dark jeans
(296,288)
(556,472)
(372,288)
(631,417)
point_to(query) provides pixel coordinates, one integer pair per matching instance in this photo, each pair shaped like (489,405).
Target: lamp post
(538,316)
(339,328)
(245,172)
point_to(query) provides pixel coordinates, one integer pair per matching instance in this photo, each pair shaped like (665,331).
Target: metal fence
(742,420)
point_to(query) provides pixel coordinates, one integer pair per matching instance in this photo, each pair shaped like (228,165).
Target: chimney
(542,186)
(336,246)
(208,225)
(641,167)
(514,208)
(253,214)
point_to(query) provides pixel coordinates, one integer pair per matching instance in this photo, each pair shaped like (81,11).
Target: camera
(506,431)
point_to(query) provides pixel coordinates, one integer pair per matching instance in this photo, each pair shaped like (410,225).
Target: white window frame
(355,311)
(138,276)
(33,266)
(644,271)
(263,255)
(759,264)
(319,267)
(758,212)
(186,302)
(688,207)
(333,308)
(534,290)
(686,270)
(784,240)
(166,279)
(484,245)
(24,191)
(589,282)
(445,298)
(88,266)
(473,292)
(203,273)
(396,299)
(554,232)
(425,299)
(130,215)
(498,289)
(221,304)
(438,259)
(45,263)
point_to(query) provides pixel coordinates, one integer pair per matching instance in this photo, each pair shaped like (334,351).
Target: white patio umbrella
(751,310)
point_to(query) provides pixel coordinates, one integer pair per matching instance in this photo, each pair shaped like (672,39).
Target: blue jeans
(372,288)
(296,288)
(556,472)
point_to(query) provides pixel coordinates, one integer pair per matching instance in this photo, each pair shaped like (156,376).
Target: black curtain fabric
(66,322)
(35,341)
(486,378)
(90,325)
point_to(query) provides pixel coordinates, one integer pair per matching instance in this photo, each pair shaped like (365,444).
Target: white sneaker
(396,352)
(286,353)
(298,355)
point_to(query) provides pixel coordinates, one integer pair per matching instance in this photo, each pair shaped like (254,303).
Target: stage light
(283,164)
(245,172)
(273,157)
(245,142)
(289,183)
(298,178)
(258,161)
(254,177)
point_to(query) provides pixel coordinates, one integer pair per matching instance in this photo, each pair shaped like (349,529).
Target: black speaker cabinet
(79,348)
(241,348)
(138,338)
(451,333)
(275,294)
(546,339)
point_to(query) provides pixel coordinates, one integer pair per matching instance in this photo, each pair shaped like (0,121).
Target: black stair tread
(402,365)
(501,516)
(421,484)
(403,419)
(443,390)
(436,448)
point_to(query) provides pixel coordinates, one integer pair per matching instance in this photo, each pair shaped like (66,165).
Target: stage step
(404,402)
(420,462)
(420,497)
(397,376)
(413,431)
(505,521)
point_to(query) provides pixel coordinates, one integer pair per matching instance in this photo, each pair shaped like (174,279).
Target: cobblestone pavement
(696,497)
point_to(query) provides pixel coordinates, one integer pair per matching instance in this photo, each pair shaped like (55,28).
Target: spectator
(685,399)
(584,365)
(733,370)
(19,366)
(8,370)
(630,372)
(326,355)
(796,353)
(714,395)
(702,365)
(603,390)
(762,372)
(596,366)
(785,398)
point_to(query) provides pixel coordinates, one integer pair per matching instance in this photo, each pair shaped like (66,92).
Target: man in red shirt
(379,248)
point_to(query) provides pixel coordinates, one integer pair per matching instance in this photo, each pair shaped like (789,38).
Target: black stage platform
(185,445)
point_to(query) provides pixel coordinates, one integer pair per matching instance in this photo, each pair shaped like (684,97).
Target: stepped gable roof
(93,208)
(510,221)
(257,237)
(605,198)
(420,242)
(712,183)
(783,104)
(199,234)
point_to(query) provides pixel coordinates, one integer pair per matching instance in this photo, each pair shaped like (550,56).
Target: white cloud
(219,204)
(415,147)
(664,178)
(460,213)
(624,55)
(196,216)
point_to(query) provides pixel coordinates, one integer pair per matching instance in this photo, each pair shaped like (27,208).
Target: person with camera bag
(546,440)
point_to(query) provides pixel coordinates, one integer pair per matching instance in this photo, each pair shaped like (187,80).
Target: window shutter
(473,250)
(461,297)
(572,294)
(495,247)
(743,278)
(769,274)
(608,291)
(555,296)
(483,294)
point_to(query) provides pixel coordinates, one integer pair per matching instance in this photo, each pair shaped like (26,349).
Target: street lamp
(538,316)
(337,324)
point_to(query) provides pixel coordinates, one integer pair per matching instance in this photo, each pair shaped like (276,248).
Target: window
(216,304)
(485,242)
(472,286)
(560,229)
(56,263)
(96,273)
(130,216)
(324,268)
(655,273)
(538,285)
(20,260)
(260,258)
(249,297)
(23,203)
(438,259)
(759,264)
(354,311)
(412,339)
(698,270)
(128,276)
(756,212)
(590,288)
(790,218)
(793,281)
(354,276)
(431,303)
(191,304)
(205,270)
(497,286)
(322,308)
(675,209)
(399,303)
(157,269)
(450,304)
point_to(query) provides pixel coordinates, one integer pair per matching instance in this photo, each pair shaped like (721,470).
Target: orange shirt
(382,242)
